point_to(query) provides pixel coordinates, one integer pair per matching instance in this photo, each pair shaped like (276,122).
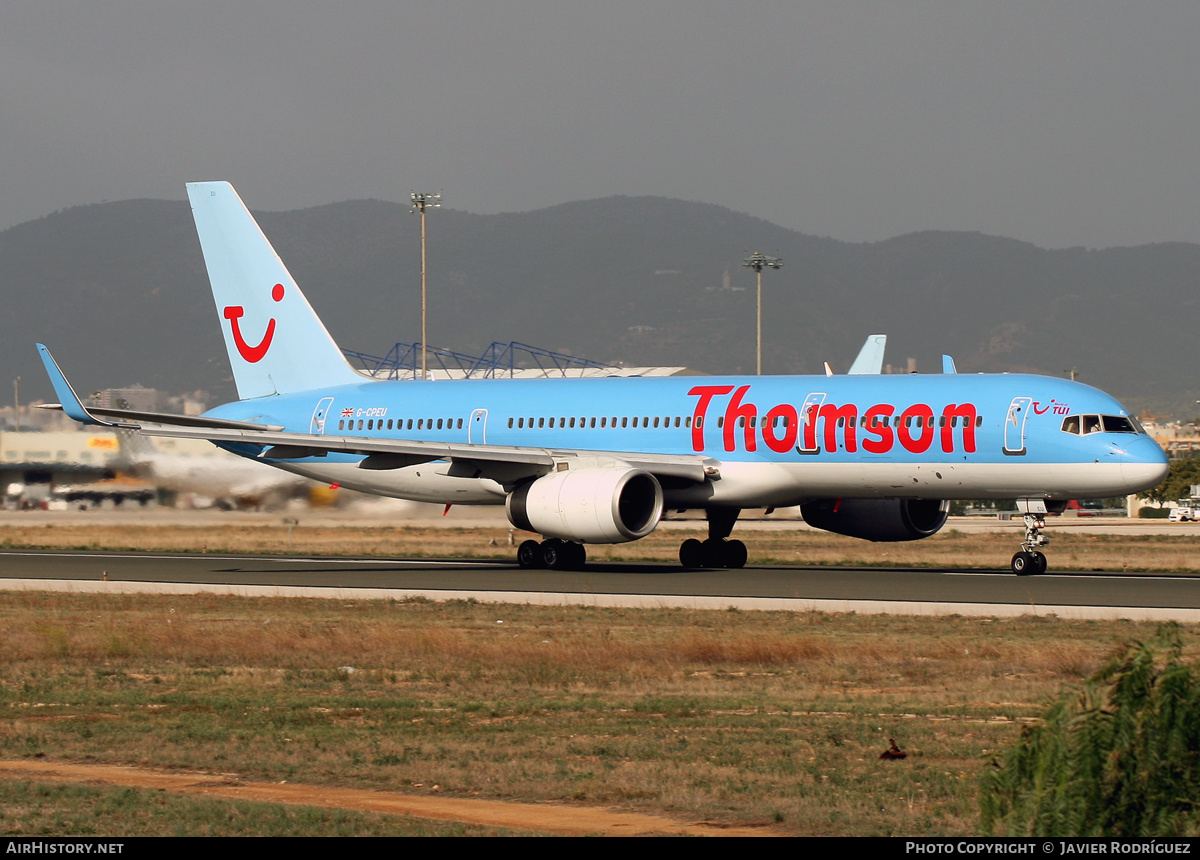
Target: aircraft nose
(1144,465)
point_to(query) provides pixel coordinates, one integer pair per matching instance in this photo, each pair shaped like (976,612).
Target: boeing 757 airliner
(583,461)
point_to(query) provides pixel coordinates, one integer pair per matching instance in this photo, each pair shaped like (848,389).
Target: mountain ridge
(118,290)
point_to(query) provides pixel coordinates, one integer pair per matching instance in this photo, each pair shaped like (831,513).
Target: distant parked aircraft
(231,482)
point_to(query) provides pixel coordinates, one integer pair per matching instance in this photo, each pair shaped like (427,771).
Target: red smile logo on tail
(252,353)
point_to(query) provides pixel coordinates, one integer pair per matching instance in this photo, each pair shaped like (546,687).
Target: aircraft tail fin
(276,342)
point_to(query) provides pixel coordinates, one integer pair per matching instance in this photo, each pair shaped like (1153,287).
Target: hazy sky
(1062,123)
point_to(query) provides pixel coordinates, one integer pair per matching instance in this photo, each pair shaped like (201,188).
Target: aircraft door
(808,442)
(317,425)
(1014,426)
(477,429)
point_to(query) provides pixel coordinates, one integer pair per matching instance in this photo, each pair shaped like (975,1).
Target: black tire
(1039,563)
(691,553)
(1023,563)
(735,554)
(553,554)
(529,554)
(575,556)
(713,553)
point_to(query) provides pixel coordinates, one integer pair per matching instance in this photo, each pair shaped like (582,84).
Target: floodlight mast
(758,262)
(419,203)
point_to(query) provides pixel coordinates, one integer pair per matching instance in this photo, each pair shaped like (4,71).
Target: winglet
(71,404)
(870,357)
(948,364)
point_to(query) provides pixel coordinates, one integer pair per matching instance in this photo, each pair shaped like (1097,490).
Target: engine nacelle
(608,503)
(878,519)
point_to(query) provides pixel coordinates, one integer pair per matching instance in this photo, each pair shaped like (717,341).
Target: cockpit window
(1118,424)
(1085,424)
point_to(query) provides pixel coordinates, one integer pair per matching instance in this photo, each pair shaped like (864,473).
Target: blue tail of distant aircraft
(276,342)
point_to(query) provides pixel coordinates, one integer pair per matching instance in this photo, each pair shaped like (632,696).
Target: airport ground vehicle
(1186,511)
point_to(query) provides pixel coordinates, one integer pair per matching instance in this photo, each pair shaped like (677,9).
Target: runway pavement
(834,589)
(390,512)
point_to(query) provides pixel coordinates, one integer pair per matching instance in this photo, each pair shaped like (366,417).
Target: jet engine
(607,504)
(878,519)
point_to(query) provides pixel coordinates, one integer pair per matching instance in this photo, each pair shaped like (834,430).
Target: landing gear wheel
(691,553)
(1024,564)
(735,554)
(713,552)
(1029,561)
(552,554)
(574,556)
(529,554)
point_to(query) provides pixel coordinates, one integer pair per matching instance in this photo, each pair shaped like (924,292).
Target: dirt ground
(559,820)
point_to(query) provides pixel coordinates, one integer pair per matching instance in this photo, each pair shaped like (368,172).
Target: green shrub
(1119,758)
(1148,513)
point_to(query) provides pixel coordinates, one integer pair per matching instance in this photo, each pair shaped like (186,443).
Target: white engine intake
(605,503)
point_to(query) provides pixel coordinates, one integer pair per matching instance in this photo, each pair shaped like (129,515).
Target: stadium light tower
(758,262)
(419,203)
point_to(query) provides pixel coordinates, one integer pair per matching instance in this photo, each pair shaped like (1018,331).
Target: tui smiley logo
(252,353)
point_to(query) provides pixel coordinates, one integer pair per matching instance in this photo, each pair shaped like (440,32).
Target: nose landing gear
(1029,561)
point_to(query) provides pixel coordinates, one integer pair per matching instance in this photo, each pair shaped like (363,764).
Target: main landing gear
(1029,561)
(718,550)
(552,554)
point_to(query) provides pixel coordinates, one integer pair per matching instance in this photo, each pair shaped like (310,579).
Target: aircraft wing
(131,419)
(504,463)
(128,419)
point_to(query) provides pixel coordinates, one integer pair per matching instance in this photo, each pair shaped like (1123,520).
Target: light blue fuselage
(754,426)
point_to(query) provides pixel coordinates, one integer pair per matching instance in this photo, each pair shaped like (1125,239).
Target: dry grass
(950,548)
(730,716)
